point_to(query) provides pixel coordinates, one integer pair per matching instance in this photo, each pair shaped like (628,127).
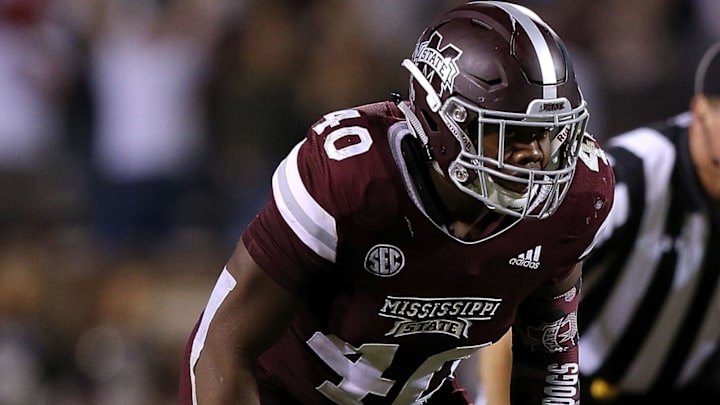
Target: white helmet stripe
(528,20)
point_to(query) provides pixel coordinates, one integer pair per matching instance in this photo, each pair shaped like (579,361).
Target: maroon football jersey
(394,302)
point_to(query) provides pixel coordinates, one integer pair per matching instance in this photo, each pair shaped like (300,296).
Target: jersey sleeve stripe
(312,224)
(224,285)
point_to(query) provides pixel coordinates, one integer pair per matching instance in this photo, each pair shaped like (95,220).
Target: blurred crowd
(138,138)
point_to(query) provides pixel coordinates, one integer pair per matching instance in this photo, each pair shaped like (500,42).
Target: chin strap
(435,103)
(432,99)
(417,131)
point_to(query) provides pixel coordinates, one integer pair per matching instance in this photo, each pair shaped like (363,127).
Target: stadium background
(92,315)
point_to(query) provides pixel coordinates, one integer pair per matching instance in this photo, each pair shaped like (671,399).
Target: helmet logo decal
(438,61)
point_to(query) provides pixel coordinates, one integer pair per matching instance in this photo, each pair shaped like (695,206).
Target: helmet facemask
(481,174)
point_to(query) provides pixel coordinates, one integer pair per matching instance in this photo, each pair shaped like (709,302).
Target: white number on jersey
(338,148)
(364,375)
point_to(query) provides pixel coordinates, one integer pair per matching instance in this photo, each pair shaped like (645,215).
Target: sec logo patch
(384,260)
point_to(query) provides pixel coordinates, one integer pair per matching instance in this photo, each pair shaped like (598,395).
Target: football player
(403,236)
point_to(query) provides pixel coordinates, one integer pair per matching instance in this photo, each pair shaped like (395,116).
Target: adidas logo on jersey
(529,259)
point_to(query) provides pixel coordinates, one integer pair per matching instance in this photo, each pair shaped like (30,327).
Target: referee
(650,311)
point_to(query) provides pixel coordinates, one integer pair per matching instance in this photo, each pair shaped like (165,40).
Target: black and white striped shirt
(650,312)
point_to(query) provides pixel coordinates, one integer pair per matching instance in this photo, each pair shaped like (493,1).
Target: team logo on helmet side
(384,260)
(438,61)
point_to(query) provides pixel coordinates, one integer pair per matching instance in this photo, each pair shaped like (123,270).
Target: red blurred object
(21,11)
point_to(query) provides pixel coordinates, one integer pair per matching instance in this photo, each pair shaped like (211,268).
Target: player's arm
(545,345)
(494,370)
(253,312)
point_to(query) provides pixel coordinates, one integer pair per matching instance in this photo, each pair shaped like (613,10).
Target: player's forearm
(220,378)
(545,348)
(550,382)
(495,363)
(223,377)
